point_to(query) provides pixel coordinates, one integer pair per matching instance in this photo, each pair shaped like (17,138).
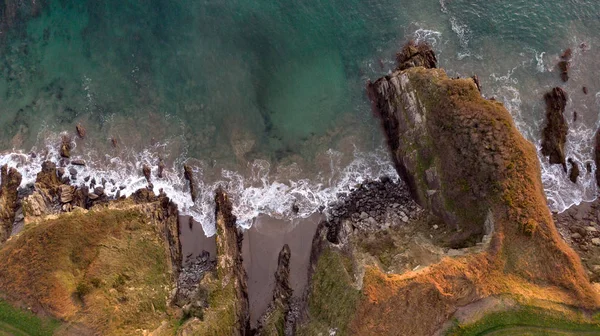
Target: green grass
(332,302)
(526,321)
(17,322)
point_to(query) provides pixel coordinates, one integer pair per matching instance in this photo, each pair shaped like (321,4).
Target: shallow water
(267,97)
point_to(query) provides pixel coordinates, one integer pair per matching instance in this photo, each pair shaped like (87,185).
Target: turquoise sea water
(267,97)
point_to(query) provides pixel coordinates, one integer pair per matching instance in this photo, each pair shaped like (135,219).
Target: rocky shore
(467,226)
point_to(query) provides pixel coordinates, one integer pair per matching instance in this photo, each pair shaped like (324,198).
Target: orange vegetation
(526,256)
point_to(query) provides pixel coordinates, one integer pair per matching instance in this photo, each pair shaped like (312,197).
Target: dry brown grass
(526,258)
(106,269)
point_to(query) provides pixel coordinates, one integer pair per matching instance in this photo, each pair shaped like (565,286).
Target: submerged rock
(564,64)
(10,179)
(80,131)
(554,135)
(65,146)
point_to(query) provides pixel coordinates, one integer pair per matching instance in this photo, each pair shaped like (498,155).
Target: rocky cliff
(463,160)
(273,321)
(10,179)
(79,257)
(227,306)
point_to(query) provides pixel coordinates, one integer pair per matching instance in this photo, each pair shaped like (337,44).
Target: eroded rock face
(10,180)
(435,148)
(275,316)
(554,135)
(229,258)
(226,287)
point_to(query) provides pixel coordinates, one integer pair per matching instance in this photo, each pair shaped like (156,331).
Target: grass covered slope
(17,322)
(103,271)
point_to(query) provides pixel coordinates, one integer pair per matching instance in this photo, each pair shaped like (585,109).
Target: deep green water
(268,96)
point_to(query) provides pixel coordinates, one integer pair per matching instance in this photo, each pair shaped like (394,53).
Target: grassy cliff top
(103,271)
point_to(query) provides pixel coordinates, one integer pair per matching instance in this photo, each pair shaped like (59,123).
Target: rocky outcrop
(554,135)
(10,179)
(65,146)
(565,64)
(229,259)
(188,173)
(227,311)
(416,54)
(273,321)
(574,172)
(464,160)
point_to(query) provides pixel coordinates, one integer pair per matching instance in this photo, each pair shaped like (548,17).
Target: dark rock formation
(564,64)
(65,146)
(80,131)
(574,172)
(78,162)
(414,55)
(273,320)
(226,290)
(147,173)
(161,168)
(10,179)
(554,135)
(229,259)
(188,173)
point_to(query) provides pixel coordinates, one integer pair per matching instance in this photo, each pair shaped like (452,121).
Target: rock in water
(415,55)
(161,168)
(65,146)
(554,135)
(80,131)
(189,175)
(574,171)
(78,162)
(9,184)
(147,172)
(565,64)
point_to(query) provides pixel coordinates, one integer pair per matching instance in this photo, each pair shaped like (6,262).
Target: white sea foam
(257,193)
(432,37)
(560,191)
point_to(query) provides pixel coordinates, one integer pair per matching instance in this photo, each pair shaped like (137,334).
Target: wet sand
(261,247)
(193,240)
(260,250)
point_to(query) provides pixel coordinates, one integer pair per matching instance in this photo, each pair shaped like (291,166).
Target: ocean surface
(267,97)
